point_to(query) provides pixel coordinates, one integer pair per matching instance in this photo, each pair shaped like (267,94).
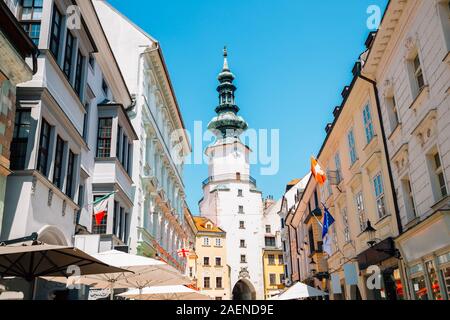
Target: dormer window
(209,226)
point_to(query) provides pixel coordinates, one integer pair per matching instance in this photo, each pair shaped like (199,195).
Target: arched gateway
(244,290)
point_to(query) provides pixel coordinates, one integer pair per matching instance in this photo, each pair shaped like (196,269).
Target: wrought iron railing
(225,177)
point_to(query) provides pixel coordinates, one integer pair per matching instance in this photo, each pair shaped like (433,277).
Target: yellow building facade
(274,274)
(207,266)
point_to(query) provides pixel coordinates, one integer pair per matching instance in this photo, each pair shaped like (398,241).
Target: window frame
(44,151)
(105,137)
(58,165)
(79,66)
(70,175)
(33,7)
(55,38)
(380,198)
(368,123)
(68,55)
(18,157)
(361,210)
(352,146)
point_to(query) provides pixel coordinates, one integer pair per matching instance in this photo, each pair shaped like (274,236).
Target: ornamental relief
(426,130)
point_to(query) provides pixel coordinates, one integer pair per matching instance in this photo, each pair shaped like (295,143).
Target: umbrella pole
(33,288)
(111,288)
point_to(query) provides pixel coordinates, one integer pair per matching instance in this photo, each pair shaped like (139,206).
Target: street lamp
(370,231)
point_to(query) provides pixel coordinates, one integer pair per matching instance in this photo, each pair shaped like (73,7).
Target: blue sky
(291,58)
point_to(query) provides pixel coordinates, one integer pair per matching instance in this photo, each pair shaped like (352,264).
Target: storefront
(426,252)
(386,257)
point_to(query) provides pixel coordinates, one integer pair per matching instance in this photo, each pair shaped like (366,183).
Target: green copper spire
(227,123)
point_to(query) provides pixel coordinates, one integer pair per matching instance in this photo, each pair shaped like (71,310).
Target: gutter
(383,134)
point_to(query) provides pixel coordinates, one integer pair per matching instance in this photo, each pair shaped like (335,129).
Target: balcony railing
(225,177)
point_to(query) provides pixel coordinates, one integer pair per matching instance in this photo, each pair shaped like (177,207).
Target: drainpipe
(383,135)
(290,251)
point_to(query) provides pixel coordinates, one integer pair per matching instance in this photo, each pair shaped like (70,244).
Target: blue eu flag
(328,221)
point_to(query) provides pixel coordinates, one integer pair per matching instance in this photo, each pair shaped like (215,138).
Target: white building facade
(410,61)
(54,167)
(157,225)
(288,234)
(231,199)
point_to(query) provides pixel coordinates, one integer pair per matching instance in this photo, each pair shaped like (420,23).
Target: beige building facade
(410,61)
(211,271)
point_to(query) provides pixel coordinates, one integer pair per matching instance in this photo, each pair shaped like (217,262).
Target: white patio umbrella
(164,293)
(145,272)
(299,291)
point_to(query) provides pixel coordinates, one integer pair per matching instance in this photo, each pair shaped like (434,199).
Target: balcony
(229,177)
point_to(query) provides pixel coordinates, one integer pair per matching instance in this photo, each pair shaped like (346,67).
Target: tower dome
(227,123)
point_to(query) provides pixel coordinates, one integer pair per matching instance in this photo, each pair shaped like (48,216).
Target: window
(337,164)
(241,225)
(191,272)
(68,56)
(79,74)
(218,242)
(129,159)
(80,202)
(22,125)
(241,209)
(116,217)
(282,223)
(92,61)
(33,30)
(379,195)
(206,261)
(86,122)
(273,279)
(391,106)
(206,241)
(439,176)
(104,138)
(70,174)
(270,241)
(418,74)
(346,225)
(99,228)
(206,283)
(242,244)
(268,229)
(43,152)
(243,258)
(368,125)
(218,262)
(360,210)
(59,152)
(31,10)
(219,283)
(280,259)
(409,199)
(271,259)
(55,36)
(352,147)
(444,13)
(312,247)
(105,87)
(240,193)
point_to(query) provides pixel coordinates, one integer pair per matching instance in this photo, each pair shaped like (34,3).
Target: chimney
(328,128)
